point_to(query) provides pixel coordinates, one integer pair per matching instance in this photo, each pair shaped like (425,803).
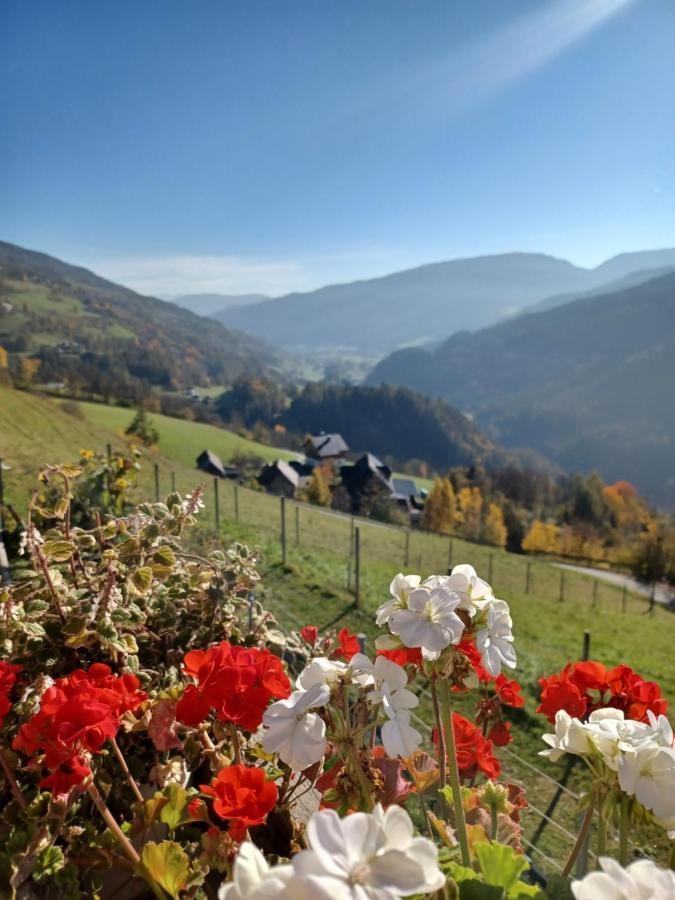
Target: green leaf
(499,864)
(168,865)
(142,579)
(58,551)
(477,890)
(48,862)
(174,812)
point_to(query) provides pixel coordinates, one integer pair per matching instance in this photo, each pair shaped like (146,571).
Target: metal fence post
(156,483)
(357,566)
(216,503)
(283,529)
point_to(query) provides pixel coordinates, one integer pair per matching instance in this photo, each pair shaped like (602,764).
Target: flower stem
(123,840)
(127,774)
(580,841)
(11,780)
(624,826)
(494,823)
(360,776)
(442,749)
(602,833)
(460,821)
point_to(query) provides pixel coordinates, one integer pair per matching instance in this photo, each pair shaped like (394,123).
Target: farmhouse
(367,474)
(279,478)
(208,462)
(325,447)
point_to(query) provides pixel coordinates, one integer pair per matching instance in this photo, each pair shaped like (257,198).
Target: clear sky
(269,145)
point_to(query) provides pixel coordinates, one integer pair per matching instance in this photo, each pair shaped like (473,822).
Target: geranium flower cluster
(474,751)
(435,614)
(8,676)
(235,682)
(584,687)
(78,714)
(365,855)
(641,754)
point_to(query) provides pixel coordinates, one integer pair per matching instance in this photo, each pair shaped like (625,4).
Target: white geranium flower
(254,879)
(380,674)
(430,621)
(571,736)
(320,671)
(400,589)
(641,880)
(475,594)
(367,857)
(399,738)
(295,733)
(648,773)
(495,640)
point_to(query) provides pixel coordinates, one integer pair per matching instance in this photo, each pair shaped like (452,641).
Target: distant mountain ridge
(420,305)
(77,322)
(210,304)
(589,384)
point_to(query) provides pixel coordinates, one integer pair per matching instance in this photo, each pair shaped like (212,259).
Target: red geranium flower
(349,645)
(8,673)
(500,734)
(403,656)
(236,682)
(474,752)
(242,793)
(559,692)
(310,633)
(509,692)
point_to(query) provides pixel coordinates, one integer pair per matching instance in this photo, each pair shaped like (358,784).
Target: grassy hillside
(104,337)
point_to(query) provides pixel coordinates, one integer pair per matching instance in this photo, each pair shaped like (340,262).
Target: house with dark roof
(406,495)
(279,478)
(304,468)
(325,447)
(366,475)
(208,462)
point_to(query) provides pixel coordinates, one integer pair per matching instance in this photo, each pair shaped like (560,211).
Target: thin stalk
(11,780)
(127,774)
(235,743)
(494,823)
(580,841)
(361,777)
(624,827)
(602,833)
(460,821)
(442,749)
(123,840)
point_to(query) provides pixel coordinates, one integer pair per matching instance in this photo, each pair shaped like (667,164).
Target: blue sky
(269,145)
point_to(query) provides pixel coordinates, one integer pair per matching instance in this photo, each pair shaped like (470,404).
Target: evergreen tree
(143,429)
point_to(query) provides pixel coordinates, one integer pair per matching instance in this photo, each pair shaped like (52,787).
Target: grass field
(312,586)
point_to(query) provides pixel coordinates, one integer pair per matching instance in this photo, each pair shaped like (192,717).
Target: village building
(280,478)
(325,447)
(209,462)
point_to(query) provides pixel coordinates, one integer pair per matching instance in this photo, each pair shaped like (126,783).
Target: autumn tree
(318,490)
(543,537)
(440,508)
(471,512)
(494,528)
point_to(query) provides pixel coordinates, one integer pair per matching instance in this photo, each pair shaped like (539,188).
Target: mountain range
(422,305)
(589,384)
(210,304)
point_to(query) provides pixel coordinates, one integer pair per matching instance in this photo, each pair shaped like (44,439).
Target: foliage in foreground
(160,730)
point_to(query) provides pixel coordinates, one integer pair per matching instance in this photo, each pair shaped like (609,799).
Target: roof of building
(208,456)
(283,468)
(405,487)
(327,445)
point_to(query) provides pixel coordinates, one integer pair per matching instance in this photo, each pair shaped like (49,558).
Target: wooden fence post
(595,592)
(283,529)
(173,482)
(216,504)
(582,858)
(357,566)
(236,503)
(562,586)
(156,483)
(528,578)
(449,556)
(490,561)
(407,549)
(297,525)
(351,552)
(624,597)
